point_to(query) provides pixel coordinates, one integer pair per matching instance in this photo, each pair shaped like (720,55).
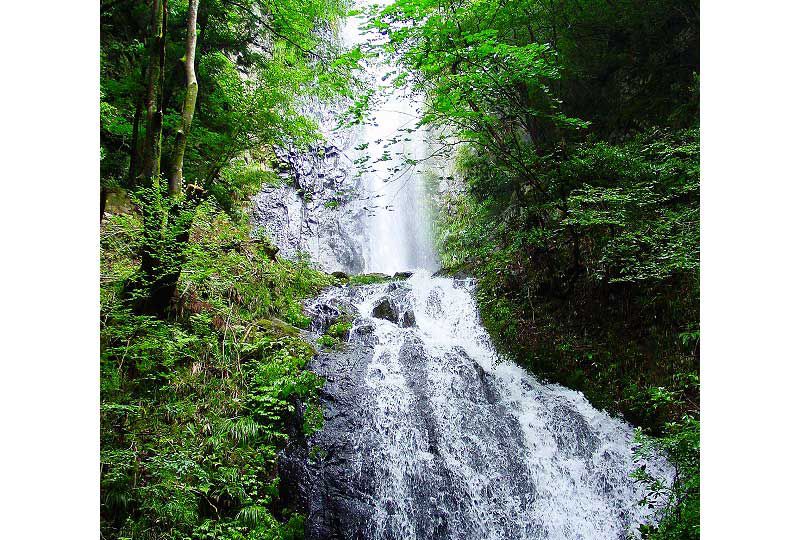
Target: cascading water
(428,433)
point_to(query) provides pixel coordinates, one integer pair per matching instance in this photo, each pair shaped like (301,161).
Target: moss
(340,329)
(277,328)
(369,279)
(327,341)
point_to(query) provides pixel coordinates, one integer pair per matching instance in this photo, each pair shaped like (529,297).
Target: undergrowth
(195,408)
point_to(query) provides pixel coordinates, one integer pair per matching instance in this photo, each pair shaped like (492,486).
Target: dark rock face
(384,310)
(408,320)
(329,490)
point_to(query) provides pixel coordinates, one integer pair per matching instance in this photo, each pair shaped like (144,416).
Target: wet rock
(392,287)
(408,320)
(340,275)
(402,275)
(364,329)
(323,316)
(383,310)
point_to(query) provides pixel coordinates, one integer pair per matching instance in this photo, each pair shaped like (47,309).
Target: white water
(512,458)
(397,232)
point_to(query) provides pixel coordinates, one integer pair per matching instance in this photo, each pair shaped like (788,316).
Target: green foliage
(368,279)
(327,341)
(340,329)
(196,407)
(255,58)
(680,518)
(197,398)
(335,333)
(639,205)
(466,55)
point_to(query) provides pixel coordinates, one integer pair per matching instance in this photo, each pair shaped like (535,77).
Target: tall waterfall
(398,232)
(355,202)
(428,433)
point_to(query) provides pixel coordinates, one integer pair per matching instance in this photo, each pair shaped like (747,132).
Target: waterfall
(428,432)
(355,202)
(398,232)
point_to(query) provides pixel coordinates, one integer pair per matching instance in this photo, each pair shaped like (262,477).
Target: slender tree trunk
(176,174)
(134,153)
(161,267)
(177,219)
(151,159)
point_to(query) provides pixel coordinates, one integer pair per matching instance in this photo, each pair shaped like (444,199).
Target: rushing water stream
(428,434)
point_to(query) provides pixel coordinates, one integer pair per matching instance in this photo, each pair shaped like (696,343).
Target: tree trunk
(176,174)
(151,160)
(146,289)
(134,153)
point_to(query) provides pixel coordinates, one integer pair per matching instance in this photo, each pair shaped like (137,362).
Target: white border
(750,207)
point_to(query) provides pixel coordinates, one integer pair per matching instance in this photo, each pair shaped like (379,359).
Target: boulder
(383,310)
(277,328)
(117,201)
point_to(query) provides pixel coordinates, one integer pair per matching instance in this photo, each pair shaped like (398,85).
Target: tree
(176,174)
(154,99)
(252,59)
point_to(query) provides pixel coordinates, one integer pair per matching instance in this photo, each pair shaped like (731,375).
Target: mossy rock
(340,329)
(117,201)
(277,328)
(369,279)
